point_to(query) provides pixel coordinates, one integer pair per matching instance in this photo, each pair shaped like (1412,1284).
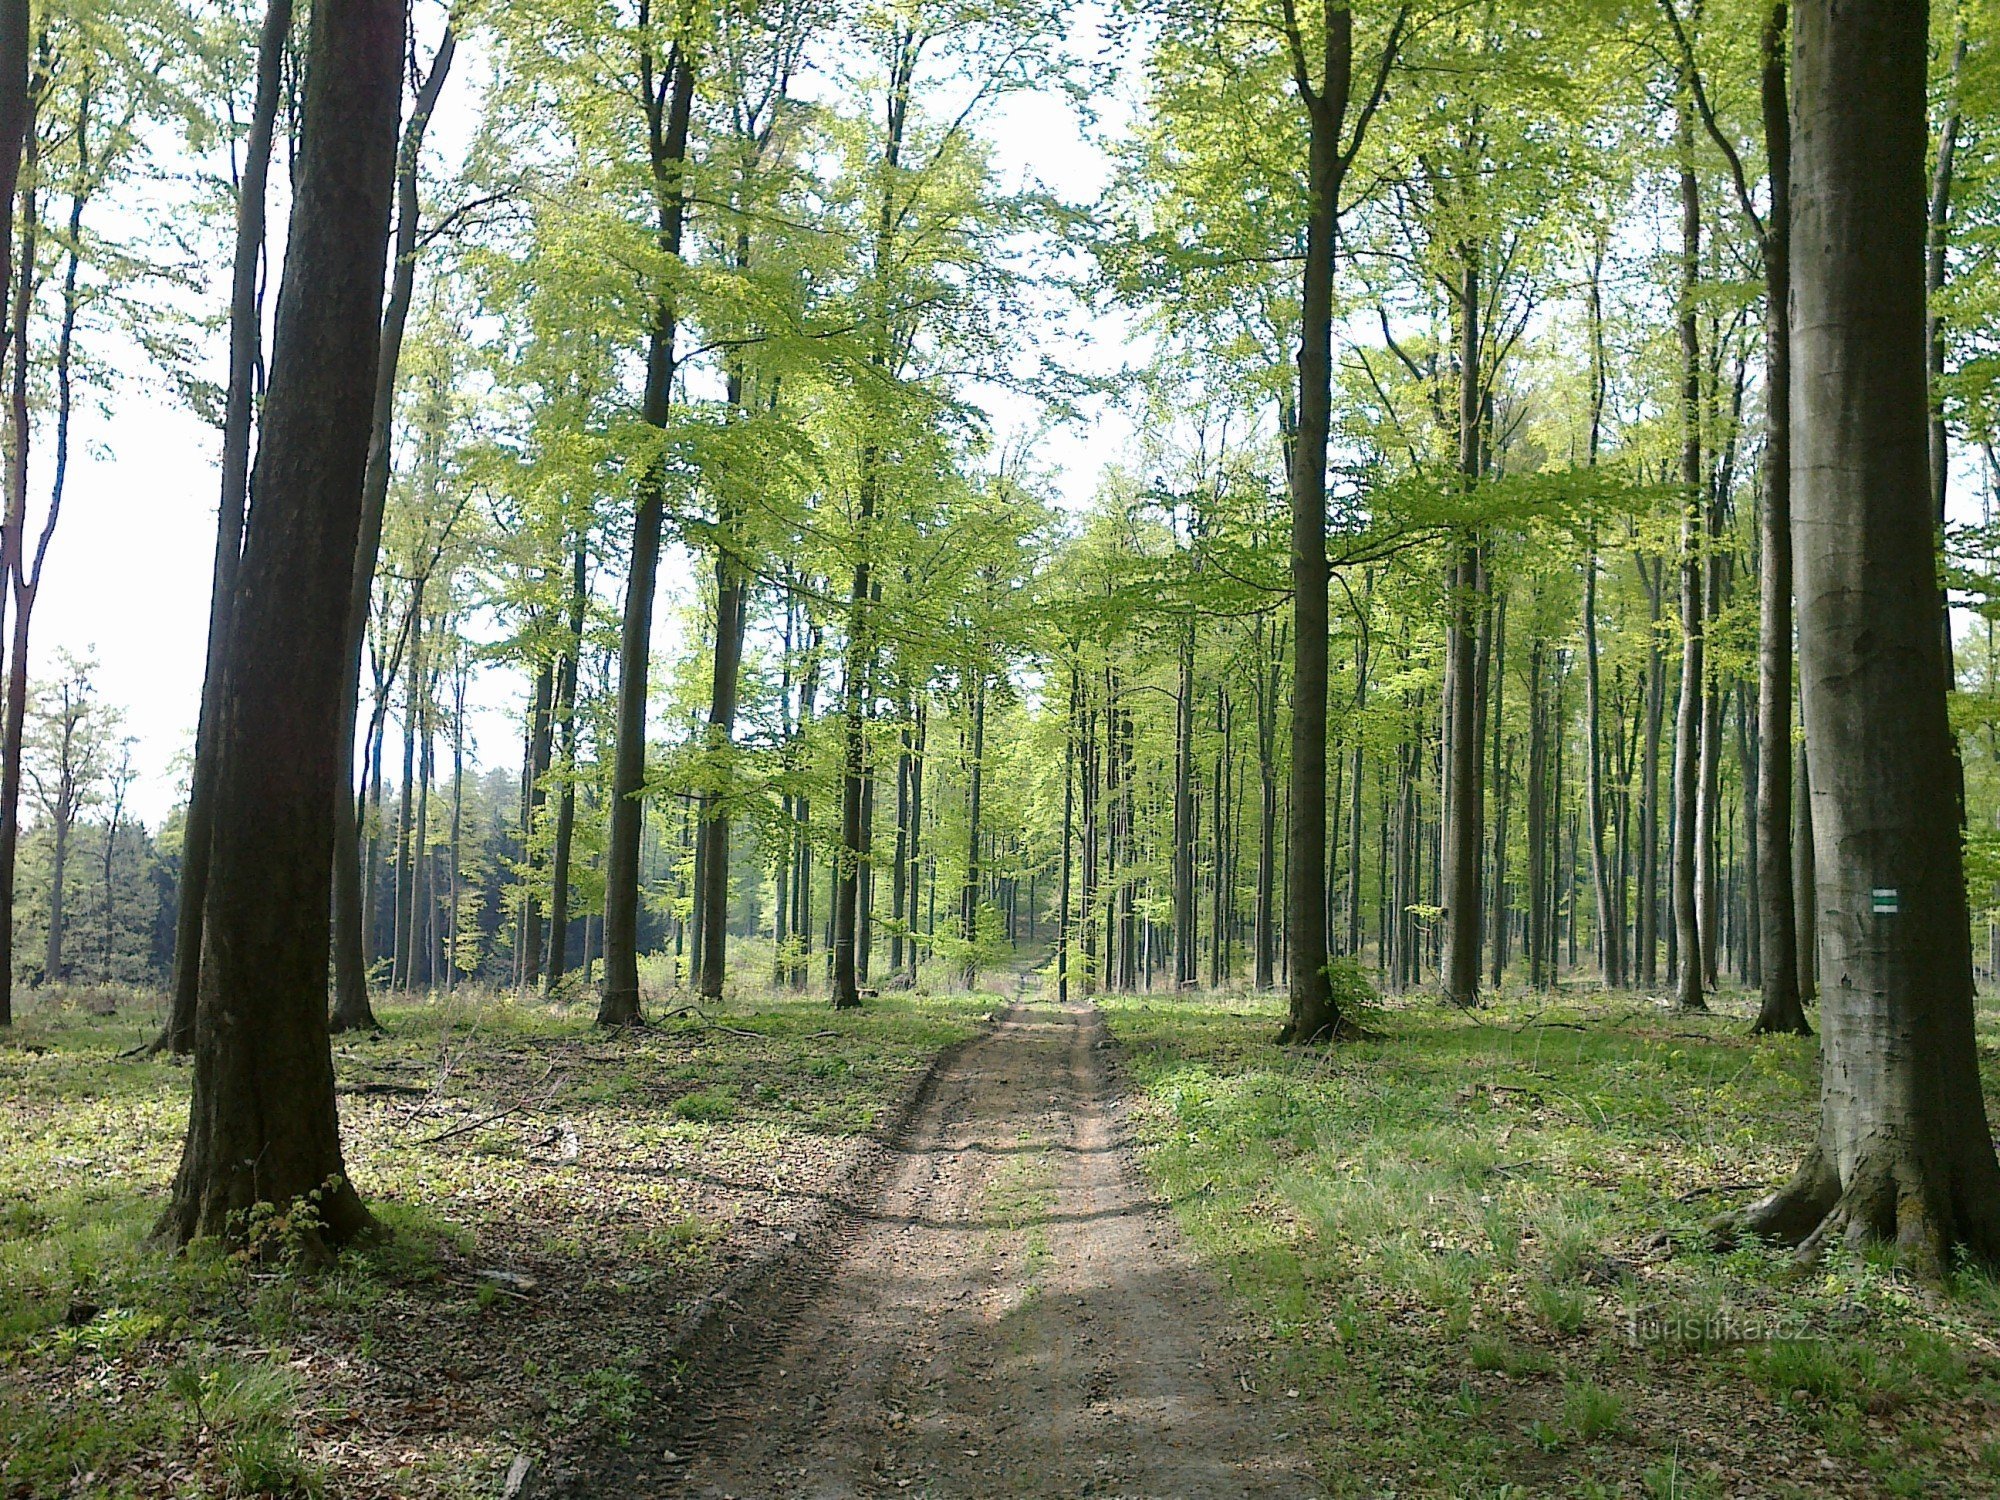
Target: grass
(554,1199)
(1478,1243)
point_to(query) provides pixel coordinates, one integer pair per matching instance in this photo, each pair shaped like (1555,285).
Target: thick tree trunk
(1903,1152)
(351,1010)
(667,109)
(262,1126)
(1312,1013)
(245,338)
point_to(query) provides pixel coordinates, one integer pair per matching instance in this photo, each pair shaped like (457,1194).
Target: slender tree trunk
(245,339)
(731,613)
(1781,1008)
(1540,926)
(1464,813)
(399,963)
(351,1010)
(1502,775)
(1687,861)
(968,915)
(261,1124)
(1805,875)
(668,104)
(1903,1152)
(1184,819)
(565,837)
(916,830)
(1265,919)
(1648,925)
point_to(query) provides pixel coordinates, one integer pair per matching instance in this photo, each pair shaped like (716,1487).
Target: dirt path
(1012,1317)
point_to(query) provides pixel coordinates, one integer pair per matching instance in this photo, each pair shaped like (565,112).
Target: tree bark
(968,912)
(245,339)
(1781,1007)
(1464,811)
(1903,1153)
(1312,1014)
(351,1010)
(731,612)
(1184,819)
(262,1126)
(566,678)
(1688,720)
(668,105)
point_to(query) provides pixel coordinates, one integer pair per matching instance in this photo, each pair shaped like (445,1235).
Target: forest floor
(1479,1242)
(1011,1314)
(1136,1250)
(560,1203)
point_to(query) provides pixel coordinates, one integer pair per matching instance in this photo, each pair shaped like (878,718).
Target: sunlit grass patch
(1481,1239)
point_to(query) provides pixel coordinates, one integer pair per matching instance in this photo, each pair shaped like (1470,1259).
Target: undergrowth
(1478,1239)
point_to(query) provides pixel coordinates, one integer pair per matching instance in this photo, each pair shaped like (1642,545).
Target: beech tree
(1903,1152)
(261,1122)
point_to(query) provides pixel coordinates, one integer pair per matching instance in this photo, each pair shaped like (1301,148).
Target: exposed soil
(1010,1314)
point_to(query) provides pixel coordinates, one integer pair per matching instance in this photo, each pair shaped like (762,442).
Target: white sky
(128,574)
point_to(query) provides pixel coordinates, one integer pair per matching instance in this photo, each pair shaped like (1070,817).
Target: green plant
(1590,1411)
(1564,1309)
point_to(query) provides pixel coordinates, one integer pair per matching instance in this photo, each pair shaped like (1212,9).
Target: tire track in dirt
(1010,1315)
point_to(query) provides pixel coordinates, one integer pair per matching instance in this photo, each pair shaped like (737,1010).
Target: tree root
(1891,1201)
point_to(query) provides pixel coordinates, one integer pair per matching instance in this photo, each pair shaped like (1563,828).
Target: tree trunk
(1541,925)
(968,913)
(245,338)
(1464,813)
(1688,720)
(262,1126)
(559,860)
(1312,1013)
(1903,1152)
(1502,776)
(351,1010)
(1184,819)
(1781,1007)
(731,613)
(1648,923)
(667,105)
(1264,921)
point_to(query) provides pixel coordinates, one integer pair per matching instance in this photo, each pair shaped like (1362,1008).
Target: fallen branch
(498,1115)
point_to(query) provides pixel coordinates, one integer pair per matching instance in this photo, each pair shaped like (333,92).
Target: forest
(1155,748)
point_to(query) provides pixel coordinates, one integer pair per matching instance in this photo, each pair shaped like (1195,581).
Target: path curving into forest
(1013,1315)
